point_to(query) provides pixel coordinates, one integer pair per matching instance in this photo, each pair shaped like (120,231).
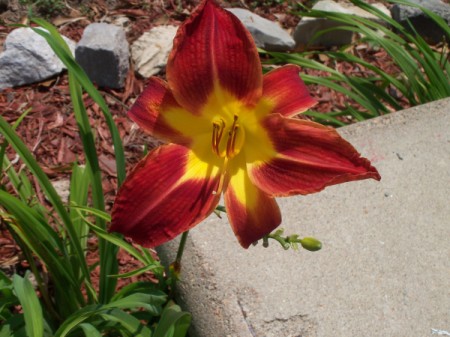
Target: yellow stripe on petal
(202,162)
(150,109)
(251,212)
(221,107)
(309,158)
(213,46)
(164,196)
(187,123)
(243,188)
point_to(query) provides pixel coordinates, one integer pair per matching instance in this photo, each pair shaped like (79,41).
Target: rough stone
(27,58)
(151,51)
(3,5)
(308,27)
(103,53)
(267,34)
(62,187)
(426,27)
(384,266)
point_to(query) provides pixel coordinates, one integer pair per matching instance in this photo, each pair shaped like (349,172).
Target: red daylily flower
(229,131)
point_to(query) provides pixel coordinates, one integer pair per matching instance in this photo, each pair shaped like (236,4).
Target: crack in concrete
(303,317)
(244,314)
(298,325)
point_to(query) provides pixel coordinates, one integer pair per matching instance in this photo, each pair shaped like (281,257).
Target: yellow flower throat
(227,141)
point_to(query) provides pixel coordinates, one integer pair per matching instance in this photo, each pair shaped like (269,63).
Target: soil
(50,130)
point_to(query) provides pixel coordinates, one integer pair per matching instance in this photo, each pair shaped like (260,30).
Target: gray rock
(151,51)
(267,34)
(3,5)
(103,53)
(308,27)
(27,58)
(421,22)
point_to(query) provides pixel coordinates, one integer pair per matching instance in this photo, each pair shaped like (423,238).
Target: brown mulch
(50,129)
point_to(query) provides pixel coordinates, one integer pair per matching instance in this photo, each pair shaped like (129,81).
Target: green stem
(281,240)
(181,249)
(175,266)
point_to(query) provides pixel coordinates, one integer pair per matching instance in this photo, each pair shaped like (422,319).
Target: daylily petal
(169,192)
(310,157)
(286,91)
(212,48)
(251,212)
(150,109)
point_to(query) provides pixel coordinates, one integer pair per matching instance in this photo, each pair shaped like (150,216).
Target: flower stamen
(231,143)
(218,128)
(231,146)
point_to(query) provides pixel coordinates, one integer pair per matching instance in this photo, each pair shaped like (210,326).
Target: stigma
(227,141)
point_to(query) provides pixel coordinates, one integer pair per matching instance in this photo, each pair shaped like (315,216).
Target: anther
(234,139)
(231,143)
(232,134)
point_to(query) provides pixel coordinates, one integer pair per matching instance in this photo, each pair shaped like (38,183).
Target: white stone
(308,27)
(267,34)
(62,187)
(27,58)
(151,51)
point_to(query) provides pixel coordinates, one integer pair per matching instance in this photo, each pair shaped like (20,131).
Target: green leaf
(5,330)
(30,305)
(90,330)
(128,322)
(4,145)
(48,189)
(77,80)
(108,263)
(173,322)
(136,272)
(93,211)
(41,239)
(79,188)
(324,118)
(135,287)
(15,326)
(119,242)
(151,301)
(424,74)
(61,49)
(4,280)
(88,318)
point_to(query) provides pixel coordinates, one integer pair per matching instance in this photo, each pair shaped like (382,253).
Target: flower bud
(311,244)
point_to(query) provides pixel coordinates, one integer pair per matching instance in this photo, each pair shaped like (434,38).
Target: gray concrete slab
(384,269)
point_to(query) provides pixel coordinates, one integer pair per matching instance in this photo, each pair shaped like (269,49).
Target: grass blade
(173,322)
(79,187)
(61,49)
(128,322)
(90,330)
(48,189)
(32,310)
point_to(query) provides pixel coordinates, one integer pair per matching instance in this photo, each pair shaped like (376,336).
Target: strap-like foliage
(54,239)
(424,74)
